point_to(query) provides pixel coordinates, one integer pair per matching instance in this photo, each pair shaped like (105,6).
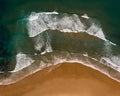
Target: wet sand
(69,79)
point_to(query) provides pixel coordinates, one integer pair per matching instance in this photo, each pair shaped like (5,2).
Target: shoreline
(67,79)
(11,78)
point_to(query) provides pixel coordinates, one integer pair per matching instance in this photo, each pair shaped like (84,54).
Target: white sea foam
(112,61)
(22,61)
(85,16)
(35,16)
(40,22)
(40,41)
(96,31)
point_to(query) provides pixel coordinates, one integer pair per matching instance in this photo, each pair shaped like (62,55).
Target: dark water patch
(6,48)
(22,42)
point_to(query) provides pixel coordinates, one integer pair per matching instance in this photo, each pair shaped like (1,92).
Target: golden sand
(69,79)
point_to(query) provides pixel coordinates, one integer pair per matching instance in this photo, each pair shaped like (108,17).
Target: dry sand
(69,79)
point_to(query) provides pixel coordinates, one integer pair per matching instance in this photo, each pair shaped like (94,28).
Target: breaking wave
(40,22)
(60,37)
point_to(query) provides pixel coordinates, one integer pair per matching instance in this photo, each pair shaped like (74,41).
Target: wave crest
(40,22)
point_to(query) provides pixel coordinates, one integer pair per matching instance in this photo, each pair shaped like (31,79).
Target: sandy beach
(68,79)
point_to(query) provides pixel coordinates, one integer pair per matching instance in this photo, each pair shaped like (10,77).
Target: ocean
(35,34)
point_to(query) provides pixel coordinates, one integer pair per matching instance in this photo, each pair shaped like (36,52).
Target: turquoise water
(14,39)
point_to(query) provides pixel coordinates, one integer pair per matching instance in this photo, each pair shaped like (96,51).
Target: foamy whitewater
(61,37)
(40,22)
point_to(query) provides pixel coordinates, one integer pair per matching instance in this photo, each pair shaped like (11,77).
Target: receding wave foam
(61,37)
(22,61)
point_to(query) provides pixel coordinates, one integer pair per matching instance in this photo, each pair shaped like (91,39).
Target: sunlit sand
(68,79)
